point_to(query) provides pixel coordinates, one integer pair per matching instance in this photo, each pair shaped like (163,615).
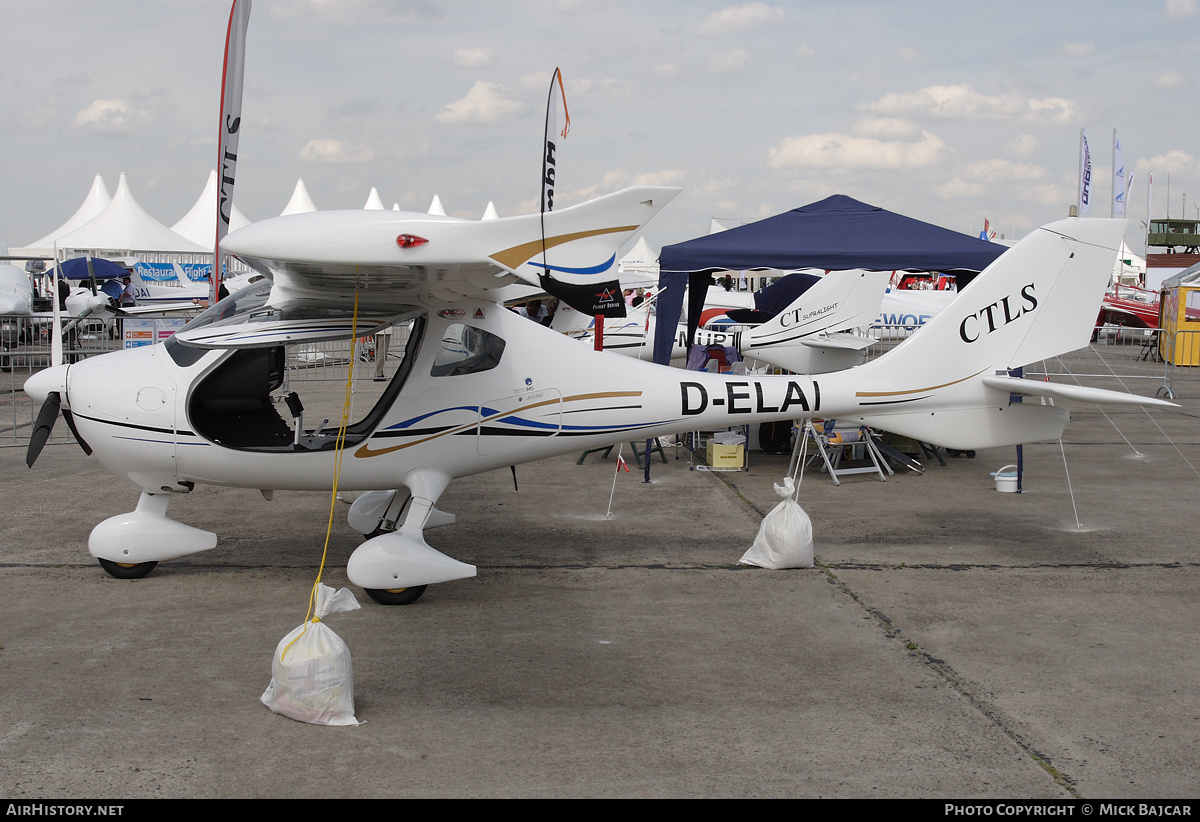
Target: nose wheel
(127,570)
(396,596)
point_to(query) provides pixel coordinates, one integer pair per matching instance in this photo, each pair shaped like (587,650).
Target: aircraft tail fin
(581,242)
(1037,300)
(819,319)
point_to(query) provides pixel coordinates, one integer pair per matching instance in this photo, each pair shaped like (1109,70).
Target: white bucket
(1006,479)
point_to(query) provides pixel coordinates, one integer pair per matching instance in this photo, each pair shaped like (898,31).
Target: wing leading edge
(399,260)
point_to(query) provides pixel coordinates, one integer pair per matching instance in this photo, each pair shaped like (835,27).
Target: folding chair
(832,441)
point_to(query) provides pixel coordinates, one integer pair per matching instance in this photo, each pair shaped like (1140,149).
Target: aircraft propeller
(47,416)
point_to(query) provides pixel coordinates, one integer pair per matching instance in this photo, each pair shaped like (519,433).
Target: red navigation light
(410,241)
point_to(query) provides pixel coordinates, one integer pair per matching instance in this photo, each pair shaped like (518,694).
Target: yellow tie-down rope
(337,474)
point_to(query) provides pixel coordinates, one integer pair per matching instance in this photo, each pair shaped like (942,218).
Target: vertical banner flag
(553,136)
(1149,206)
(231,124)
(590,298)
(1118,178)
(1085,174)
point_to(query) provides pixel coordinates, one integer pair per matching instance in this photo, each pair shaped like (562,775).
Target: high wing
(396,260)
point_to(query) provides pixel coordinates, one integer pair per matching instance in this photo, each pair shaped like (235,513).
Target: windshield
(245,300)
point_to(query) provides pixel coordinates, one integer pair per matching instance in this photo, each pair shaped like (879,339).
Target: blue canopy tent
(83,268)
(835,234)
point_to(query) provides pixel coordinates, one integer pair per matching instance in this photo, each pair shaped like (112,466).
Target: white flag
(1118,209)
(1149,207)
(231,124)
(1085,174)
(554,138)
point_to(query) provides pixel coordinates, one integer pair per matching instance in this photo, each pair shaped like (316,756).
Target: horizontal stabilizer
(844,341)
(1034,388)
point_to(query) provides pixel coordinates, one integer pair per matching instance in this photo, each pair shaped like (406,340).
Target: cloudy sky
(949,112)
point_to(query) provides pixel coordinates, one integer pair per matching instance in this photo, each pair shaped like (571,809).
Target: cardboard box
(726,456)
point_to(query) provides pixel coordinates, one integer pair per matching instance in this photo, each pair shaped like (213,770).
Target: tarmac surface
(951,642)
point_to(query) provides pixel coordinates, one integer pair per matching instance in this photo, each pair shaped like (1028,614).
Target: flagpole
(231,122)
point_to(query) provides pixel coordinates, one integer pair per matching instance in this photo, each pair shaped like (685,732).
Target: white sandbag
(785,537)
(312,679)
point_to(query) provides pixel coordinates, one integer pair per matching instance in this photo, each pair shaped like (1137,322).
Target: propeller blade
(70,418)
(56,341)
(42,428)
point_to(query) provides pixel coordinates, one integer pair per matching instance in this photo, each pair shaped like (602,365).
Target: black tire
(127,570)
(396,596)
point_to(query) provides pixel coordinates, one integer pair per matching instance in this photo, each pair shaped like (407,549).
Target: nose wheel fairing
(146,535)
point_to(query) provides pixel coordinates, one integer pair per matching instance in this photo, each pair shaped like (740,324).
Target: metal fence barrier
(1115,353)
(1181,357)
(321,367)
(25,349)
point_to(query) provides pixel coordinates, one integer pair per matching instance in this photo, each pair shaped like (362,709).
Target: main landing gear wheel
(396,596)
(127,570)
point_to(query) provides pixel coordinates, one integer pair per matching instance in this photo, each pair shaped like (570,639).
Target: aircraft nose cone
(13,304)
(43,382)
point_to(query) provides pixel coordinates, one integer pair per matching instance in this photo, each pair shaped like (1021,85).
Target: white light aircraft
(813,335)
(16,289)
(481,388)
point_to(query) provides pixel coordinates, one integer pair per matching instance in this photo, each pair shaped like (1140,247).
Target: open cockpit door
(268,326)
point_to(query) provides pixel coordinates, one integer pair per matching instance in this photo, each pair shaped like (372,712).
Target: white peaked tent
(1131,273)
(126,225)
(200,224)
(373,201)
(96,201)
(300,203)
(435,207)
(489,213)
(640,263)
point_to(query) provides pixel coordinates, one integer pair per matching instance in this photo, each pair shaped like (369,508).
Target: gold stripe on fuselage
(365,449)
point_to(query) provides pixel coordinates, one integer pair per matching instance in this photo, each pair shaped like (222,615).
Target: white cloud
(1173,162)
(1046,194)
(958,189)
(606,88)
(1172,79)
(805,53)
(732,59)
(666,69)
(1180,8)
(358,12)
(964,102)
(335,152)
(999,170)
(1077,49)
(40,117)
(1023,145)
(885,128)
(484,104)
(1055,109)
(911,55)
(738,18)
(536,80)
(111,116)
(833,150)
(666,177)
(473,58)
